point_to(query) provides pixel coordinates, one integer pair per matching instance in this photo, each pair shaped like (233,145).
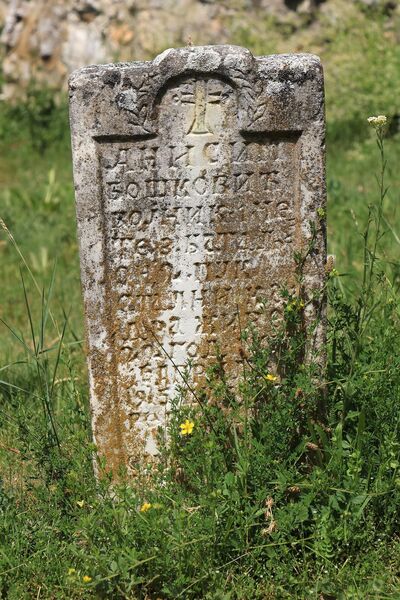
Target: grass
(38,209)
(269,501)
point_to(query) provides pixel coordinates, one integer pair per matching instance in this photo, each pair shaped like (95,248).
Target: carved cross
(202,97)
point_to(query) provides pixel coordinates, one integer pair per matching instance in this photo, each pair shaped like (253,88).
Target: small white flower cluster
(377,122)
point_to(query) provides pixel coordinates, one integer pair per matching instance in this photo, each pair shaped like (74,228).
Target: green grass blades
(287,487)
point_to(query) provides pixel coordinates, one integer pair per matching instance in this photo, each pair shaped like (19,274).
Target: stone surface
(196,176)
(44,41)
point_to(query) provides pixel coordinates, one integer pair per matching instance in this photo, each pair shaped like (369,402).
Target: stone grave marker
(196,177)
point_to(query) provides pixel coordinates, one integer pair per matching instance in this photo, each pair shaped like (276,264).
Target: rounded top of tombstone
(222,59)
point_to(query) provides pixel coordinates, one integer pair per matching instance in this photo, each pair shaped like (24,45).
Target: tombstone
(196,176)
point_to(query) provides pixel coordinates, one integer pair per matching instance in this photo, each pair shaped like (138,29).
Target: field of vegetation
(290,489)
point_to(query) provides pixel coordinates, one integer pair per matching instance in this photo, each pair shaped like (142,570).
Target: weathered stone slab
(196,176)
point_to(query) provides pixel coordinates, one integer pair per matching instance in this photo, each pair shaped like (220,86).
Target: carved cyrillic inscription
(201,222)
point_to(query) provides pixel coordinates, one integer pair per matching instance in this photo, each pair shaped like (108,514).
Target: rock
(197,176)
(45,41)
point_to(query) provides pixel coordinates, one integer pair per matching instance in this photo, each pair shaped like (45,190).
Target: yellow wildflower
(271,377)
(186,427)
(145,507)
(86,579)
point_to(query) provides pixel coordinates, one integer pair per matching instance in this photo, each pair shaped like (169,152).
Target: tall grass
(256,495)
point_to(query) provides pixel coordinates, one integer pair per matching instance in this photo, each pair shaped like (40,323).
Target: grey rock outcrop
(43,40)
